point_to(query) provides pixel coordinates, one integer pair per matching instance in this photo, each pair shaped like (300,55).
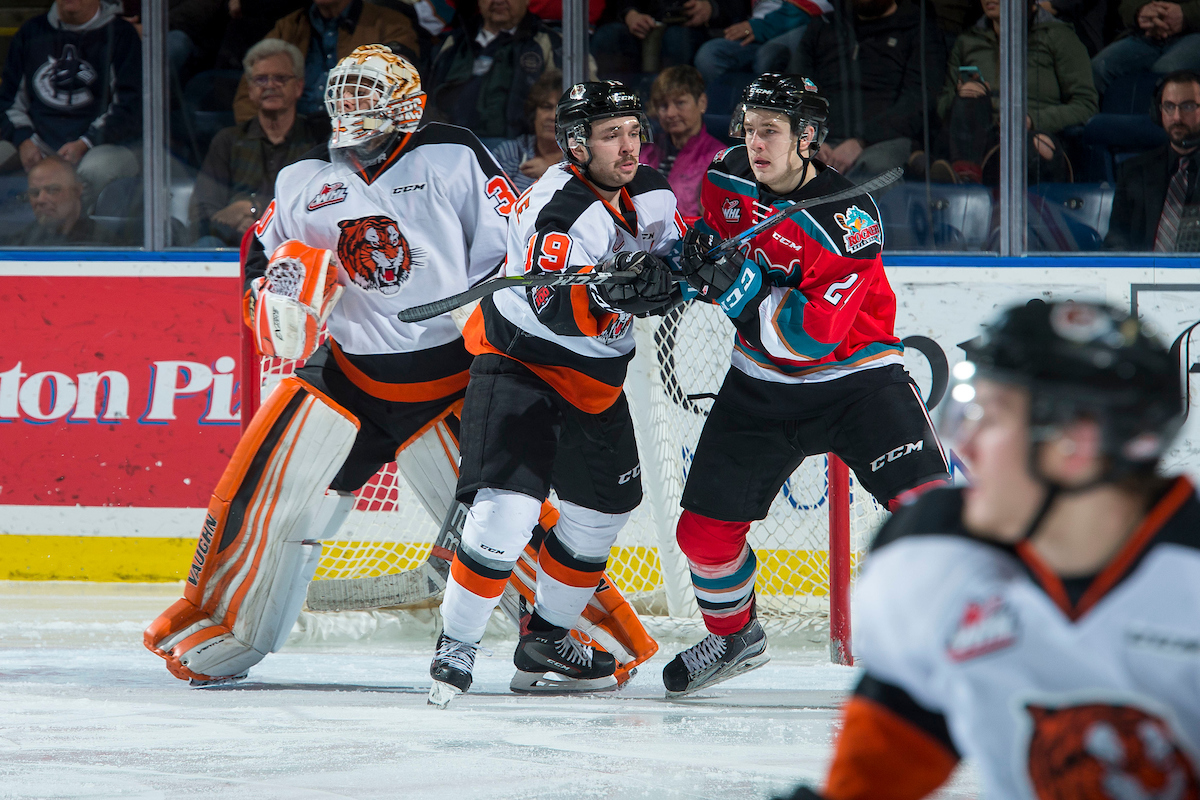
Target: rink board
(118,395)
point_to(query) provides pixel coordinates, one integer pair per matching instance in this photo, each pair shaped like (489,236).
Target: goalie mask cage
(808,547)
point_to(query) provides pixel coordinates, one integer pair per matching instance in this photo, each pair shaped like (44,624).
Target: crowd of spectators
(912,83)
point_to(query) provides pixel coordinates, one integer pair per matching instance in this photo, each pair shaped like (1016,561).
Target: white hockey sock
(497,529)
(572,560)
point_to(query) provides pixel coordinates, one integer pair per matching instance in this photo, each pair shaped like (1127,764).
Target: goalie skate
(451,670)
(716,658)
(555,662)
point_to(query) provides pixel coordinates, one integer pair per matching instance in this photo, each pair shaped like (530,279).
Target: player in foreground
(1042,622)
(816,367)
(412,215)
(544,408)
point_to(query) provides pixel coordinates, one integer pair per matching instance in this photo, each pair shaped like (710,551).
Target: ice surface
(85,711)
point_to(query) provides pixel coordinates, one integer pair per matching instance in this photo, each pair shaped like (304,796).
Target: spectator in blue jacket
(766,42)
(72,87)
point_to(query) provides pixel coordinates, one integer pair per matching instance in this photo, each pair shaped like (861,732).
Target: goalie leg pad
(429,463)
(256,552)
(497,529)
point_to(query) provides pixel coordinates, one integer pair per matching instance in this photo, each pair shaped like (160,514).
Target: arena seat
(1069,217)
(952,217)
(121,205)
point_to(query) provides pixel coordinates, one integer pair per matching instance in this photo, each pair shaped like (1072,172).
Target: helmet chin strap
(1054,490)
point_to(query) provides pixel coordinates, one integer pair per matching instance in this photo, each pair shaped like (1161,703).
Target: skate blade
(553,683)
(741,668)
(196,683)
(440,694)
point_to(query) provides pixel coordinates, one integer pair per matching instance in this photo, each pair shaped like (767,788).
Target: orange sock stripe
(578,578)
(475,583)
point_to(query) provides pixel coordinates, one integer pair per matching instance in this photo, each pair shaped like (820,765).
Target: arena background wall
(119,398)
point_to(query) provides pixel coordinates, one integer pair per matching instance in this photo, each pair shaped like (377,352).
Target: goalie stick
(437,307)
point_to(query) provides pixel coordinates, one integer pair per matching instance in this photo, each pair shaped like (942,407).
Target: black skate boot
(450,670)
(555,662)
(716,658)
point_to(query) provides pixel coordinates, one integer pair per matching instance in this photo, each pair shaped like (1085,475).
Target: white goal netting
(678,357)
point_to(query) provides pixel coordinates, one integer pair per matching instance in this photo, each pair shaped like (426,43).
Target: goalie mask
(793,95)
(585,103)
(373,97)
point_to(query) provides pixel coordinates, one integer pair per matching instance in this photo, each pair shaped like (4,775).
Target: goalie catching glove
(727,280)
(287,307)
(644,294)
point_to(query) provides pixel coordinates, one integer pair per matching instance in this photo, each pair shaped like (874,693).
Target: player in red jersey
(816,365)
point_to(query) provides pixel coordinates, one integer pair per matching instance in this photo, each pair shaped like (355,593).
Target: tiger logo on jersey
(1101,750)
(375,253)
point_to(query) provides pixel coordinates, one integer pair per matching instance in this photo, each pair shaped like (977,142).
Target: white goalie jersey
(1052,688)
(429,222)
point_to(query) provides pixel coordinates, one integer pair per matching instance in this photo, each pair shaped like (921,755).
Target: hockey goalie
(387,216)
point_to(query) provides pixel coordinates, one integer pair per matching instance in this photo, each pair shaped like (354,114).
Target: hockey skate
(556,662)
(716,658)
(451,670)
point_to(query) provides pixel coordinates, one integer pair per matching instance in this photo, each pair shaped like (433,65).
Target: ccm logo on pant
(899,452)
(626,477)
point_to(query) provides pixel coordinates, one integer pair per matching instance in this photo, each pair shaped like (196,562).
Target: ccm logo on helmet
(899,452)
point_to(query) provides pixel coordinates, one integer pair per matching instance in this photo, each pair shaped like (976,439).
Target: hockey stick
(437,307)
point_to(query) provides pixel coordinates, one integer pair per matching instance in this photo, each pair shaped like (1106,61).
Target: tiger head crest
(1099,750)
(374,253)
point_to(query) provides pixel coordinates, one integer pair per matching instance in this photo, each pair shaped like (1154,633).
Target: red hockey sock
(723,568)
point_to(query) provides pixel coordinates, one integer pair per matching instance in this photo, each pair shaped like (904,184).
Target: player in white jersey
(1044,622)
(544,408)
(386,217)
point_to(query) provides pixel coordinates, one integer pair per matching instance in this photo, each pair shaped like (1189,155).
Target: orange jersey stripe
(582,391)
(879,755)
(418,392)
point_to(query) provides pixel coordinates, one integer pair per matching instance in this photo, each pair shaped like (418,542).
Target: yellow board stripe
(150,559)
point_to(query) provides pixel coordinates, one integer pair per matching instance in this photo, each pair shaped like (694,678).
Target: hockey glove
(642,295)
(727,280)
(290,304)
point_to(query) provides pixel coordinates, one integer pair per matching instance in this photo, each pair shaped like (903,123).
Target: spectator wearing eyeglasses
(1153,188)
(56,196)
(237,181)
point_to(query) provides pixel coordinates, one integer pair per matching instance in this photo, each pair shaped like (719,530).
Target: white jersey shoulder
(562,205)
(427,223)
(1028,687)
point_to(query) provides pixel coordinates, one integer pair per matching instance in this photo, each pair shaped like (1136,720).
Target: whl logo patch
(330,193)
(984,627)
(732,210)
(861,230)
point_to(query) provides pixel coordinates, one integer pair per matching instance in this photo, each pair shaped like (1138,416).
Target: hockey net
(803,582)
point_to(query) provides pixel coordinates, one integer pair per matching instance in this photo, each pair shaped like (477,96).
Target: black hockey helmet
(1084,360)
(793,95)
(584,103)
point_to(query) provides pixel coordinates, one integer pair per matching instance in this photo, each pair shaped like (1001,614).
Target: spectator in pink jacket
(682,148)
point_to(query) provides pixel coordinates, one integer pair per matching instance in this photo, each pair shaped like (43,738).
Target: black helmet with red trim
(585,103)
(793,95)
